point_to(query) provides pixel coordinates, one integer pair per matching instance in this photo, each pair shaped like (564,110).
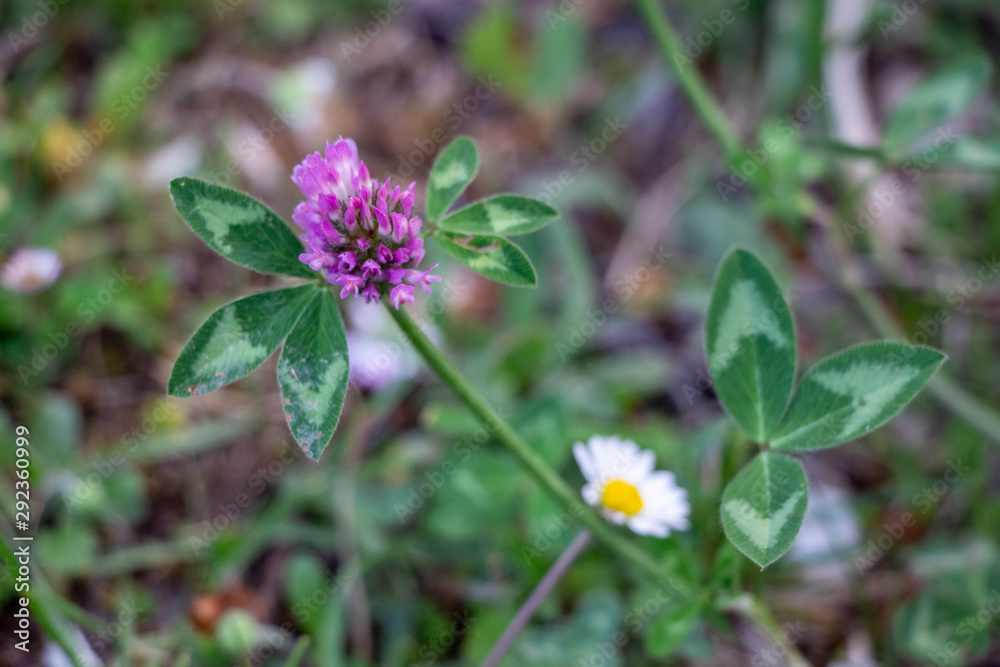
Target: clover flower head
(359,232)
(622,482)
(30,270)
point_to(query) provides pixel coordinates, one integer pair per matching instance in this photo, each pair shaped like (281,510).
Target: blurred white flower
(30,270)
(830,527)
(178,158)
(303,92)
(379,353)
(621,480)
(830,532)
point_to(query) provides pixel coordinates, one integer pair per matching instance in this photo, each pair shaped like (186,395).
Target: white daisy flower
(621,481)
(30,270)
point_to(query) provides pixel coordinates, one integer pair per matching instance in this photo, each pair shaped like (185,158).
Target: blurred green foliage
(140,518)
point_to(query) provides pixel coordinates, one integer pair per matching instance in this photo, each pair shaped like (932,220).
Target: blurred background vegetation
(191,532)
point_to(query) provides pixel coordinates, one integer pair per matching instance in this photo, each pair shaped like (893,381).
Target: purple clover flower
(360,233)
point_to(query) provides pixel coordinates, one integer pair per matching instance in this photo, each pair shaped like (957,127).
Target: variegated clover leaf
(763,506)
(242,334)
(452,172)
(343,211)
(313,373)
(750,341)
(503,215)
(476,234)
(492,256)
(751,355)
(239,227)
(854,392)
(236,339)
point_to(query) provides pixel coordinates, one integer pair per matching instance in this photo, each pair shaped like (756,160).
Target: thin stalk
(814,21)
(546,476)
(849,150)
(142,557)
(753,609)
(687,77)
(955,398)
(530,606)
(967,406)
(712,115)
(298,652)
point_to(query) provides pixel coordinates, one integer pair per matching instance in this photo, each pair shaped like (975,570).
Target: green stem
(689,80)
(546,476)
(849,150)
(753,609)
(298,652)
(142,557)
(962,403)
(718,124)
(980,415)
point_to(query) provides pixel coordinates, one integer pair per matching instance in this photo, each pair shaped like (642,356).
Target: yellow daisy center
(621,497)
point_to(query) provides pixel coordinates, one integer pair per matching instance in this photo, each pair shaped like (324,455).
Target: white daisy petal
(645,525)
(623,483)
(585,459)
(618,458)
(667,504)
(603,453)
(617,517)
(639,466)
(663,477)
(659,487)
